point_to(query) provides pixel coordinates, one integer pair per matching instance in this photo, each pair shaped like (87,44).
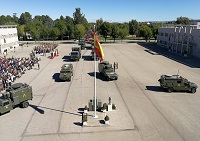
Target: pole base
(95,116)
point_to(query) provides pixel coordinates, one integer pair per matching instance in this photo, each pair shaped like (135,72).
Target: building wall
(8,38)
(184,40)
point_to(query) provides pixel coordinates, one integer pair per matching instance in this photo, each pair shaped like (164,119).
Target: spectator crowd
(12,68)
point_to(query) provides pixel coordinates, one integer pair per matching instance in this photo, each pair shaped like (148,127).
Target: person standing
(38,65)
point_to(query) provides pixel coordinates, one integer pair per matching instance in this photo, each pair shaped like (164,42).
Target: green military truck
(107,71)
(16,95)
(176,83)
(75,54)
(66,72)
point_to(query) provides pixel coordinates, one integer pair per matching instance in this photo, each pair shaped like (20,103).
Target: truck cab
(107,71)
(66,72)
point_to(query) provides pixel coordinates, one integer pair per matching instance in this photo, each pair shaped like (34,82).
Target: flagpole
(95,95)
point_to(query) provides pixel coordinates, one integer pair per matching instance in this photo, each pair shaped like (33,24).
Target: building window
(161,34)
(166,34)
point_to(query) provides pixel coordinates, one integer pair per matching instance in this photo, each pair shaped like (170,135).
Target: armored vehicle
(92,56)
(176,83)
(107,71)
(66,72)
(16,95)
(75,54)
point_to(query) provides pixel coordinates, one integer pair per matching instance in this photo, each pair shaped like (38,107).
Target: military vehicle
(66,72)
(176,83)
(75,54)
(16,95)
(92,56)
(82,44)
(107,71)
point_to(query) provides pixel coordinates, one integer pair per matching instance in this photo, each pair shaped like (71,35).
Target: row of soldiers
(12,68)
(45,47)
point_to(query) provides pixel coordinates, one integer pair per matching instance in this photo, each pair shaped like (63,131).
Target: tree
(70,27)
(60,24)
(133,27)
(155,30)
(20,31)
(114,31)
(79,31)
(105,29)
(123,31)
(183,20)
(78,16)
(25,18)
(54,33)
(98,23)
(145,31)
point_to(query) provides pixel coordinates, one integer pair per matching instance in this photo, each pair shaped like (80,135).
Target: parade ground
(143,111)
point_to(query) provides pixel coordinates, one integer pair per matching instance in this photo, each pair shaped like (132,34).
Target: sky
(108,10)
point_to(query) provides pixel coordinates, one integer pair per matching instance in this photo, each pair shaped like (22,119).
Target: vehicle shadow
(154,88)
(66,59)
(87,58)
(56,77)
(189,61)
(98,76)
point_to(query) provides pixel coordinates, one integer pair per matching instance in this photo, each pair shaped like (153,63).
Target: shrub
(104,106)
(86,108)
(114,106)
(106,118)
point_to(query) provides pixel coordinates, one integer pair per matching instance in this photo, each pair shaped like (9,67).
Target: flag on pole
(97,47)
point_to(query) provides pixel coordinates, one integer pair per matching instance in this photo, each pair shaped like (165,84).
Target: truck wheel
(193,90)
(108,79)
(25,104)
(169,90)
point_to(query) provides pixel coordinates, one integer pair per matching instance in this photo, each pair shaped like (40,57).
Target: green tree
(78,16)
(133,27)
(114,31)
(123,31)
(155,30)
(183,20)
(54,33)
(70,27)
(105,29)
(25,18)
(79,31)
(3,20)
(60,24)
(98,23)
(145,31)
(20,31)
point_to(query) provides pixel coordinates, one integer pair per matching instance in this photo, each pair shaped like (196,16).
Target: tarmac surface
(144,112)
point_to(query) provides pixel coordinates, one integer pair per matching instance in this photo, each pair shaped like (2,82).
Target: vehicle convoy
(176,83)
(75,54)
(16,95)
(66,72)
(107,71)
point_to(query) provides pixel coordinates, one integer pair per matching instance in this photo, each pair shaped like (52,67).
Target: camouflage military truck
(66,72)
(75,54)
(16,95)
(176,83)
(107,71)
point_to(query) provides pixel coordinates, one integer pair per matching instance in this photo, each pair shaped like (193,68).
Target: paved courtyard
(144,112)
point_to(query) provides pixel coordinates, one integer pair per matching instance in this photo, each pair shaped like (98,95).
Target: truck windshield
(74,53)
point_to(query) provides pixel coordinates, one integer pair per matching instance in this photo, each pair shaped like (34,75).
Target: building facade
(8,38)
(182,39)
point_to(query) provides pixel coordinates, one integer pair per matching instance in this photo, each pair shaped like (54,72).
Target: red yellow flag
(97,48)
